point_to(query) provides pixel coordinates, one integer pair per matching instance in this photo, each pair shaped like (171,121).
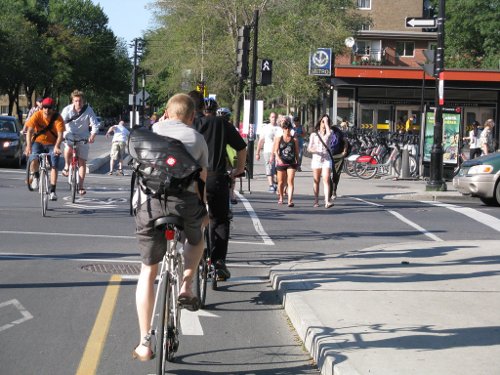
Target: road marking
(255,220)
(95,344)
(25,314)
(405,220)
(190,322)
(66,234)
(474,214)
(424,231)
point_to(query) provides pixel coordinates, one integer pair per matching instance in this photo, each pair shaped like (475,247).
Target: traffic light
(266,70)
(429,66)
(242,52)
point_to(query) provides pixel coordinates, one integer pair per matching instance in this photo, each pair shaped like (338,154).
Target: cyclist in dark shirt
(218,133)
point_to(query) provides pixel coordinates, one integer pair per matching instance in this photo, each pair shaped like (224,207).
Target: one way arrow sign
(420,22)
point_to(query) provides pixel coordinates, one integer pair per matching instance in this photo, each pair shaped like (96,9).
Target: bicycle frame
(44,182)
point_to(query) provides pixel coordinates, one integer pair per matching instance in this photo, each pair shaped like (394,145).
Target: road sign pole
(436,182)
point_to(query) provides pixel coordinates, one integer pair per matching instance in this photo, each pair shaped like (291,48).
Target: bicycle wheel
(44,191)
(365,170)
(28,166)
(74,182)
(201,284)
(165,298)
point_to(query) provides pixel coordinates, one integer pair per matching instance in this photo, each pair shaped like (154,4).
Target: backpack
(161,165)
(337,142)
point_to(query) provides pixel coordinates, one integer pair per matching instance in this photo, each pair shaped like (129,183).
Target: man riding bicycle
(79,117)
(45,134)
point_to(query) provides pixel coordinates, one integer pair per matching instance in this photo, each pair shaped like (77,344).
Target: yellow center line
(97,339)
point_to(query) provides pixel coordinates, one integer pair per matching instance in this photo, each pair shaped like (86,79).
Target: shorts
(284,167)
(270,165)
(38,148)
(118,150)
(83,150)
(152,243)
(320,162)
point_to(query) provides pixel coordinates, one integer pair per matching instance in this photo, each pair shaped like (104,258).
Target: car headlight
(480,169)
(7,144)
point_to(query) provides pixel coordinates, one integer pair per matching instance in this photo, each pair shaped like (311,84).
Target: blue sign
(320,62)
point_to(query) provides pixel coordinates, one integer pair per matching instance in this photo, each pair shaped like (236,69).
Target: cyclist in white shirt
(81,122)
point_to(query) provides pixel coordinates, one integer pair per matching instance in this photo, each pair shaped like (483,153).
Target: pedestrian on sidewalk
(118,146)
(298,133)
(285,155)
(321,163)
(486,138)
(473,138)
(265,144)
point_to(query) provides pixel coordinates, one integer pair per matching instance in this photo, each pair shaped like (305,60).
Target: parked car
(480,178)
(11,141)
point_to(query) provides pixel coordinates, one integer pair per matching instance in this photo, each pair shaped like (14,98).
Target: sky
(127,18)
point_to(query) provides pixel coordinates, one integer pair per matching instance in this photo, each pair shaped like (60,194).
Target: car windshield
(7,127)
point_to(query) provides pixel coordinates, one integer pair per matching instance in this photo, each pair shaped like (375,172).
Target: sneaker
(34,183)
(222,271)
(53,196)
(271,189)
(334,196)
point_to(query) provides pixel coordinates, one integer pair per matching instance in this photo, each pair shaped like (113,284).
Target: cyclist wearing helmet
(218,133)
(224,112)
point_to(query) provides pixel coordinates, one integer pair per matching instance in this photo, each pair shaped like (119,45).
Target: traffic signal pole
(253,84)
(436,182)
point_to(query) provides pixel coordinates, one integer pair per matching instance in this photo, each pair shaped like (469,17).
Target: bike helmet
(224,112)
(210,105)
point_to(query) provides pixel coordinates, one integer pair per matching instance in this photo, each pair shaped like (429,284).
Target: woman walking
(321,163)
(285,153)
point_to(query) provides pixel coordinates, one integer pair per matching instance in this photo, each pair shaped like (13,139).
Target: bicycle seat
(163,222)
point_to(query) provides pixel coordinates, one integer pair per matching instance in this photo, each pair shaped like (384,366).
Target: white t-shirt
(269,132)
(120,133)
(474,141)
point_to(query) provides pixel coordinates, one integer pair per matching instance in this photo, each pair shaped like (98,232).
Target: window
(365,26)
(405,49)
(364,4)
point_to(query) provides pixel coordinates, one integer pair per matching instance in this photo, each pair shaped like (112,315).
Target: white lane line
(415,225)
(190,322)
(474,214)
(256,222)
(25,314)
(405,220)
(66,234)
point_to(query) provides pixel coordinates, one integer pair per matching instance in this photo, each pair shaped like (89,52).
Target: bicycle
(74,167)
(166,318)
(44,167)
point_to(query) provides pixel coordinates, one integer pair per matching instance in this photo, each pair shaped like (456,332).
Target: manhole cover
(113,268)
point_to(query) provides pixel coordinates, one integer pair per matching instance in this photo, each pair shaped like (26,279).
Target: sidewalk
(407,308)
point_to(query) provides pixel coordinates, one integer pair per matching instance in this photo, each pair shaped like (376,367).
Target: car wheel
(497,193)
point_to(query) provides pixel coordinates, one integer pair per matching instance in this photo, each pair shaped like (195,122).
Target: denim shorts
(38,148)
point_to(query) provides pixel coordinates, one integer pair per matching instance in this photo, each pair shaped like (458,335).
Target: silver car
(480,178)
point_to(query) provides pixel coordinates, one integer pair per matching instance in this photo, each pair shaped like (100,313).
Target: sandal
(291,204)
(316,204)
(82,191)
(189,303)
(65,172)
(328,205)
(119,172)
(110,173)
(280,201)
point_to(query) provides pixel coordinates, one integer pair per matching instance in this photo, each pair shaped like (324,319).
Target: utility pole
(436,182)
(253,84)
(134,85)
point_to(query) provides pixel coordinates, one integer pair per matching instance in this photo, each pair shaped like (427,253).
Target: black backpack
(161,165)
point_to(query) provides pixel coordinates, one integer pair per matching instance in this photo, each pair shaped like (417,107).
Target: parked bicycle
(74,167)
(44,180)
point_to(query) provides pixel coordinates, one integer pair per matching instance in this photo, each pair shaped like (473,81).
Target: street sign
(420,22)
(140,98)
(320,62)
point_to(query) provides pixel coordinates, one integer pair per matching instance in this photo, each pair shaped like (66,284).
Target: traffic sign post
(420,22)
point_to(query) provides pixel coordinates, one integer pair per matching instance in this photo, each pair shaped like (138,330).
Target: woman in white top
(474,145)
(321,163)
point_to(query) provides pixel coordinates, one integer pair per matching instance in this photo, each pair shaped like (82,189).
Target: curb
(97,163)
(309,327)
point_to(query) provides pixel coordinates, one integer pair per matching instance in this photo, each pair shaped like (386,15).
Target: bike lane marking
(259,228)
(422,230)
(22,310)
(95,343)
(472,213)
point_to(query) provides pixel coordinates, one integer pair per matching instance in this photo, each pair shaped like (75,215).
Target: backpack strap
(76,116)
(46,129)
